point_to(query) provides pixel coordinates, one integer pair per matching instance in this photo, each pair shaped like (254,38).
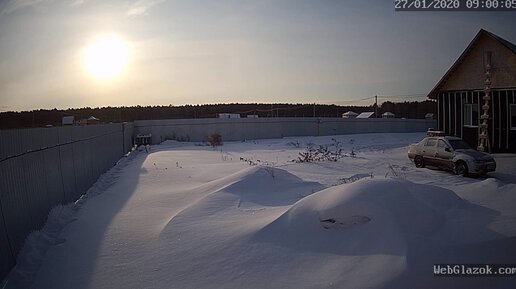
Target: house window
(513,116)
(471,115)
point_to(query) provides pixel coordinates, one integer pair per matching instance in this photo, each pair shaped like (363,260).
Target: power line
(405,95)
(354,100)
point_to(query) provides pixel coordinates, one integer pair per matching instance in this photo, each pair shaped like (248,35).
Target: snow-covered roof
(367,114)
(350,113)
(388,113)
(92,118)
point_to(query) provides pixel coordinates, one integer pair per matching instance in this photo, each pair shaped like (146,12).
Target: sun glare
(106,57)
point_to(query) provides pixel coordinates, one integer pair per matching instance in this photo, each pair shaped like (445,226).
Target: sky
(225,51)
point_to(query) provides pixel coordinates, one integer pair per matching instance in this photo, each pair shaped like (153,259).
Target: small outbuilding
(89,120)
(388,114)
(92,120)
(349,114)
(68,120)
(229,115)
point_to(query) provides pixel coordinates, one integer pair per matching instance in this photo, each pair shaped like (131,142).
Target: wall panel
(43,167)
(264,128)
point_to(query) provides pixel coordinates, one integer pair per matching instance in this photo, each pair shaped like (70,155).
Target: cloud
(140,7)
(13,5)
(77,2)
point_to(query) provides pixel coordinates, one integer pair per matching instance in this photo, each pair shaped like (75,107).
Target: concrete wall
(43,167)
(263,128)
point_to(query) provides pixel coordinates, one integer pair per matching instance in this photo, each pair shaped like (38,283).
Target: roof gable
(482,35)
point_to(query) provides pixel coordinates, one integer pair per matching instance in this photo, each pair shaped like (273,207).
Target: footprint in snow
(342,223)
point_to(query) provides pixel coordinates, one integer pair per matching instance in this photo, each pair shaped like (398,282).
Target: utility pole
(314,109)
(376,106)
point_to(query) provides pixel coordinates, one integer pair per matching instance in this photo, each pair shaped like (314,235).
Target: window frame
(470,116)
(512,109)
(445,144)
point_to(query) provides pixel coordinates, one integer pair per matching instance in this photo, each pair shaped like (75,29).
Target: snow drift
(248,191)
(386,233)
(354,217)
(185,216)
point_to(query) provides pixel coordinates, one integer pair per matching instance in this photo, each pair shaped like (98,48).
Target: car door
(443,155)
(428,151)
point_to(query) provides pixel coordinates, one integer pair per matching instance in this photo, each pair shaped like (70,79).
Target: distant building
(92,120)
(252,116)
(89,120)
(68,120)
(349,114)
(229,115)
(367,114)
(464,103)
(388,114)
(143,139)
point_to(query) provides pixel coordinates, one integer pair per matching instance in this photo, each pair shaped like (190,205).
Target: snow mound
(370,216)
(251,190)
(271,187)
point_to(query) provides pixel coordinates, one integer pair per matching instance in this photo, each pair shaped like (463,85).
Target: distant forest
(53,117)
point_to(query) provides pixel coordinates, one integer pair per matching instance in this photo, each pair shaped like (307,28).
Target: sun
(106,57)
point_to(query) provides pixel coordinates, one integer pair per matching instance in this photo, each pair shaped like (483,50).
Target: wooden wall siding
(469,75)
(451,117)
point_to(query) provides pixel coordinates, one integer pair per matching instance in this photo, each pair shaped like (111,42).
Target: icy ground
(245,216)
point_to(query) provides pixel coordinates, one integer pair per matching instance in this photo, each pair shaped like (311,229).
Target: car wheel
(461,169)
(420,163)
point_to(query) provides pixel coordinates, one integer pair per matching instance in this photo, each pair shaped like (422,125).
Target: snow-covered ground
(244,215)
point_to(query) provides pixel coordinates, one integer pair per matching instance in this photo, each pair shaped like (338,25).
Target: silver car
(451,153)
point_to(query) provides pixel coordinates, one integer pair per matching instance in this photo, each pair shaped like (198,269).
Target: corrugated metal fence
(43,167)
(262,128)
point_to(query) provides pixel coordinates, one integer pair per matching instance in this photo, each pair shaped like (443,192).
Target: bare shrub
(215,140)
(395,172)
(331,152)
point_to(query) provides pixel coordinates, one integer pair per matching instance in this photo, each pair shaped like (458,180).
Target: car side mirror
(447,149)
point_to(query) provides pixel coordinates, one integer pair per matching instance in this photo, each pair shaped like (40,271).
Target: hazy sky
(211,51)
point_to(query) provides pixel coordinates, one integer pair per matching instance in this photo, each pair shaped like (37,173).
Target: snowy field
(245,215)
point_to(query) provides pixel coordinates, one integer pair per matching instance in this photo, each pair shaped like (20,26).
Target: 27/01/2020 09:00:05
(455,5)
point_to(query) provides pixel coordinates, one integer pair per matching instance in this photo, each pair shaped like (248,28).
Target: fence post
(123,138)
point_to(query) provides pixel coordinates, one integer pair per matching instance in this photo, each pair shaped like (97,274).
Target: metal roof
(367,114)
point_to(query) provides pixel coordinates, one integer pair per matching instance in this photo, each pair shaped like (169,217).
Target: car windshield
(459,144)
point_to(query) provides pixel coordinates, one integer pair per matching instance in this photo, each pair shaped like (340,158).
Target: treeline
(53,117)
